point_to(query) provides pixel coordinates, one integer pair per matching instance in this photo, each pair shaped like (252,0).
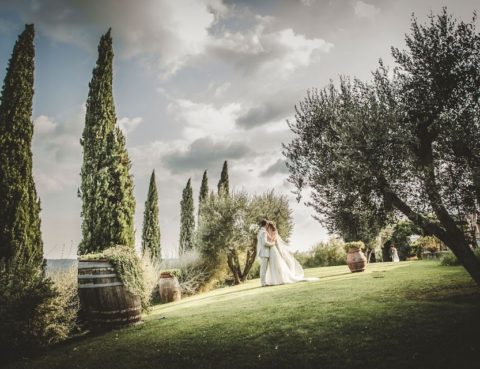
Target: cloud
(365,10)
(273,108)
(260,50)
(127,125)
(56,152)
(200,119)
(279,167)
(166,33)
(204,153)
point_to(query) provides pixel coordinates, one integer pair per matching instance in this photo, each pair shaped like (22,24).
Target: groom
(263,250)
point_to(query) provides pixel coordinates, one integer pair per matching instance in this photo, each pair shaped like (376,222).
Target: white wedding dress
(283,268)
(395,257)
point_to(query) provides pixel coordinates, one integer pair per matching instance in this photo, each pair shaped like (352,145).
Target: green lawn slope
(402,315)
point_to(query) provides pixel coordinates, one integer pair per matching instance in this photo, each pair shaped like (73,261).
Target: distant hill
(54,265)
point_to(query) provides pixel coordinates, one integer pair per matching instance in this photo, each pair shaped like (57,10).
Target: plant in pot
(356,259)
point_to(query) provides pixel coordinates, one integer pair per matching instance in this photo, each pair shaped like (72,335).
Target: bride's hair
(271,226)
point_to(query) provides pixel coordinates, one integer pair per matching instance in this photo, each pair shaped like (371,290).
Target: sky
(196,82)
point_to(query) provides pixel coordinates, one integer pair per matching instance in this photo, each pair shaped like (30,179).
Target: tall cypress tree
(106,190)
(187,219)
(151,227)
(223,184)
(203,192)
(19,204)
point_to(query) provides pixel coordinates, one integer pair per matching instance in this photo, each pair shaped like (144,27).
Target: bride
(282,266)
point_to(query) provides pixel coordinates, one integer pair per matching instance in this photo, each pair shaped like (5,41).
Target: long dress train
(283,268)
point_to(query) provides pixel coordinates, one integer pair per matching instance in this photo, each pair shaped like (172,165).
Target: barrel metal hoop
(93,285)
(96,270)
(92,276)
(93,264)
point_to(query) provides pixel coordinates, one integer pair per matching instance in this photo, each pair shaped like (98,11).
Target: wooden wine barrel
(356,260)
(169,288)
(104,301)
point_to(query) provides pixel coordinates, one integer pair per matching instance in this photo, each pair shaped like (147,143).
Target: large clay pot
(356,260)
(169,288)
(104,300)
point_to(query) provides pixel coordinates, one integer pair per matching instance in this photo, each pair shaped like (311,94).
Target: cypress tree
(187,219)
(203,192)
(106,189)
(19,204)
(223,184)
(151,227)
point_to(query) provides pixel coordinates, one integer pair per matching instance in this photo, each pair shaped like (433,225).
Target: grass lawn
(402,315)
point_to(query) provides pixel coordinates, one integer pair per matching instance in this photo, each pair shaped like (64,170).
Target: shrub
(129,270)
(449,259)
(354,245)
(426,243)
(173,272)
(191,270)
(150,275)
(35,311)
(65,306)
(323,254)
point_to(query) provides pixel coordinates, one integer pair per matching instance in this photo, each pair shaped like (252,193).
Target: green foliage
(106,190)
(407,141)
(323,254)
(151,226)
(224,184)
(223,228)
(449,259)
(187,220)
(426,243)
(354,245)
(19,203)
(203,192)
(194,274)
(275,208)
(173,272)
(228,231)
(401,238)
(34,311)
(63,309)
(129,270)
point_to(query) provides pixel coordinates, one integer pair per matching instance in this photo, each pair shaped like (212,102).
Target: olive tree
(229,226)
(406,142)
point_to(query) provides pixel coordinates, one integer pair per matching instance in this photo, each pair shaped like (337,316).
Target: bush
(354,245)
(173,272)
(450,259)
(150,274)
(35,311)
(66,305)
(426,243)
(323,254)
(193,273)
(129,269)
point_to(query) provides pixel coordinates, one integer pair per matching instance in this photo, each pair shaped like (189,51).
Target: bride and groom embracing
(277,264)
